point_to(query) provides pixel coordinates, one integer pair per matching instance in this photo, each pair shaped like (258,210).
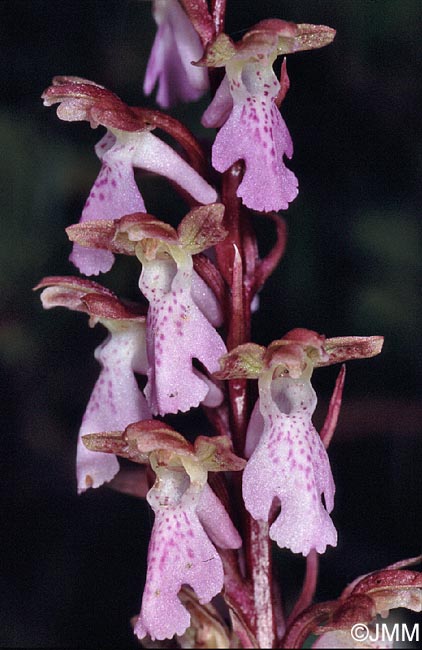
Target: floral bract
(357,607)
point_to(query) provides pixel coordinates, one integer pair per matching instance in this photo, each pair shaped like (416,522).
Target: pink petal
(216,522)
(156,156)
(256,133)
(205,299)
(156,61)
(220,108)
(254,432)
(115,402)
(177,332)
(179,553)
(215,395)
(189,47)
(166,67)
(291,464)
(175,46)
(114,194)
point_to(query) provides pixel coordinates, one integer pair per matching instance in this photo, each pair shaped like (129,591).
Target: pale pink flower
(128,144)
(181,551)
(190,520)
(116,400)
(291,465)
(246,107)
(183,311)
(288,464)
(175,47)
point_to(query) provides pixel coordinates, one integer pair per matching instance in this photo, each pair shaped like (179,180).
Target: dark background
(73,567)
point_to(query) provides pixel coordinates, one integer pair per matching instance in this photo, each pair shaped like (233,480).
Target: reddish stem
(216,419)
(270,262)
(237,258)
(330,423)
(197,10)
(225,250)
(230,256)
(218,10)
(308,588)
(260,570)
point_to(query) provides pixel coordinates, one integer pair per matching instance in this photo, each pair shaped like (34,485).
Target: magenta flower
(175,46)
(128,144)
(246,108)
(189,520)
(183,311)
(116,400)
(288,463)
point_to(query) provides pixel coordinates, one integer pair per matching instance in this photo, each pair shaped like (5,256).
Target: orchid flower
(189,519)
(128,144)
(246,107)
(287,458)
(183,311)
(175,47)
(116,400)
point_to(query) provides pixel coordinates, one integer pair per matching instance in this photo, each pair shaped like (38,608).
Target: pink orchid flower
(190,520)
(288,463)
(116,400)
(127,145)
(183,311)
(246,108)
(175,47)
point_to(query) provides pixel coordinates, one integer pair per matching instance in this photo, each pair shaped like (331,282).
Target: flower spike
(246,107)
(128,144)
(116,399)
